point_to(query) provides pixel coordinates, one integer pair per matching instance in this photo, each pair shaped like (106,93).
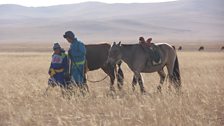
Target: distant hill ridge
(184,20)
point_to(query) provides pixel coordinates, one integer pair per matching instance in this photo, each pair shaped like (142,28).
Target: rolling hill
(177,21)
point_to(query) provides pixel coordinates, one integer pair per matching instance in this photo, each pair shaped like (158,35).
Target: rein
(87,76)
(95,81)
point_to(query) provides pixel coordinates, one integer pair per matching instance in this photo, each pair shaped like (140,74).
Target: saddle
(153,53)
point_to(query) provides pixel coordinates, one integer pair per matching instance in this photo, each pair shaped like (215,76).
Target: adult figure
(77,55)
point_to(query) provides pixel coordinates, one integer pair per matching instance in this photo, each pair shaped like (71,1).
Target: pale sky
(36,3)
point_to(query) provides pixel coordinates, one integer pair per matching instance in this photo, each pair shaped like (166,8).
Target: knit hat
(56,46)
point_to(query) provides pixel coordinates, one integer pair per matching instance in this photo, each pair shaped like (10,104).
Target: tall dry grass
(24,80)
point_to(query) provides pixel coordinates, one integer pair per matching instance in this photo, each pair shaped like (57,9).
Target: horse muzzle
(110,61)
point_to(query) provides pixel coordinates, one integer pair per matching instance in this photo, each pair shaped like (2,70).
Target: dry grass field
(24,80)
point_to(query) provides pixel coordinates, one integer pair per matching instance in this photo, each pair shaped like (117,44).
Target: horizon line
(88,2)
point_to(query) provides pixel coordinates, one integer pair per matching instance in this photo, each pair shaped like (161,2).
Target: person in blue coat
(59,66)
(77,54)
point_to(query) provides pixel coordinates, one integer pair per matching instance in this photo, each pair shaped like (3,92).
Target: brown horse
(180,48)
(222,48)
(201,48)
(96,57)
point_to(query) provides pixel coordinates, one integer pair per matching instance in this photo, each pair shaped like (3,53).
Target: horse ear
(114,43)
(119,43)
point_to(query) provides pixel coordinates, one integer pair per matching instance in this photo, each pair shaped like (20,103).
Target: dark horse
(180,48)
(96,57)
(201,48)
(137,58)
(222,48)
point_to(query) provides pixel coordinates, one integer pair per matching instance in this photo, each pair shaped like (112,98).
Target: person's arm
(80,52)
(65,64)
(83,48)
(49,71)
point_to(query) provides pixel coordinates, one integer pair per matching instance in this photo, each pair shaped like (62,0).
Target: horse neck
(127,53)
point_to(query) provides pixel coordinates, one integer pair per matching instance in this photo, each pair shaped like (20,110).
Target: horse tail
(176,73)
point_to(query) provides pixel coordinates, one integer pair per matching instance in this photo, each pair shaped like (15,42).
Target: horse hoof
(86,88)
(119,87)
(159,88)
(112,89)
(133,89)
(169,88)
(178,91)
(143,91)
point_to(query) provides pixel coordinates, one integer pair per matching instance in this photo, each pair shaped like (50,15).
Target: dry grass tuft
(24,80)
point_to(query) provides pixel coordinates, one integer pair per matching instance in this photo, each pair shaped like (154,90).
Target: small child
(59,67)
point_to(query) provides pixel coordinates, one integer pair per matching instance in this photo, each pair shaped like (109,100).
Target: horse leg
(85,85)
(134,82)
(162,78)
(170,74)
(140,82)
(109,70)
(120,77)
(112,78)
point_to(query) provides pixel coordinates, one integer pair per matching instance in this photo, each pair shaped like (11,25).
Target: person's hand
(52,72)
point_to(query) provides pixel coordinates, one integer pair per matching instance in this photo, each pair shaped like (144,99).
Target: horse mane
(129,44)
(98,44)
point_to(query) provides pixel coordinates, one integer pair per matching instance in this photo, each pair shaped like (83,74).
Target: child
(59,67)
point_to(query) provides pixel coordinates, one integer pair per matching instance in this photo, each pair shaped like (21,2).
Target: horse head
(115,54)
